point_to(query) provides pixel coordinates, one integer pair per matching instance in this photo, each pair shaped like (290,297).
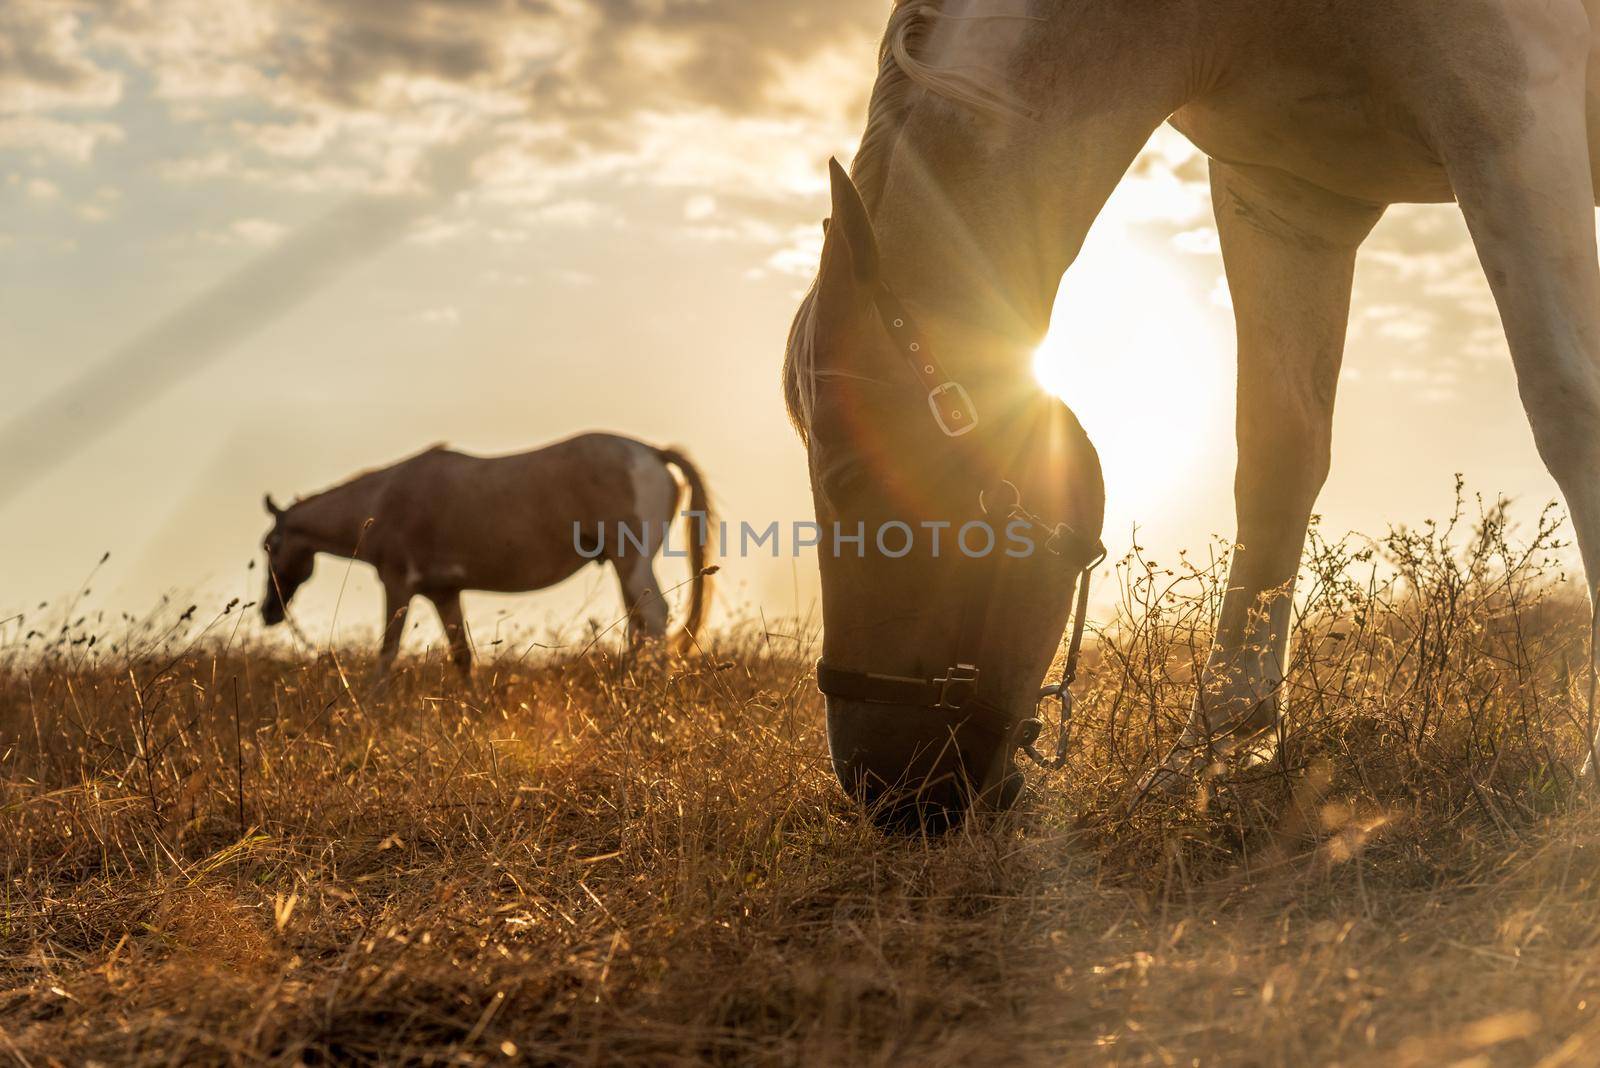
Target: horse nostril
(916,814)
(913,771)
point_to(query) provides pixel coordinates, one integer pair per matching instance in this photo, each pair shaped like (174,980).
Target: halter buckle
(953,409)
(957,687)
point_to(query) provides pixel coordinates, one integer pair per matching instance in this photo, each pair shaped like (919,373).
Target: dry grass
(212,854)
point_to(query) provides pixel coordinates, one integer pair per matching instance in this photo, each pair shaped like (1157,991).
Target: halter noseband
(956,690)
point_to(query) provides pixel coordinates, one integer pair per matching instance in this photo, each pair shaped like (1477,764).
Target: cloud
(571,113)
(577,212)
(257,231)
(75,141)
(445,315)
(1166,185)
(250,231)
(1201,241)
(1420,285)
(799,257)
(49,80)
(302,79)
(726,105)
(101,205)
(45,63)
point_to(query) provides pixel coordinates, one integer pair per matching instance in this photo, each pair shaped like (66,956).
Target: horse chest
(1339,136)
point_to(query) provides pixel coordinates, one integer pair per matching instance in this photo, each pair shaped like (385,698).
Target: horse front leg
(396,606)
(1528,196)
(1289,250)
(455,630)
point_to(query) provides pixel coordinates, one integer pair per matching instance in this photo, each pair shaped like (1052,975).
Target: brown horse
(442,522)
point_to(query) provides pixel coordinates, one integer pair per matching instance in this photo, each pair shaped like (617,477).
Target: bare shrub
(213,853)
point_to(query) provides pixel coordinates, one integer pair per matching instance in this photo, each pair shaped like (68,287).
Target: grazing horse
(442,522)
(996,131)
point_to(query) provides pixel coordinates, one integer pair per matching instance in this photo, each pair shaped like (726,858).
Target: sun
(1143,353)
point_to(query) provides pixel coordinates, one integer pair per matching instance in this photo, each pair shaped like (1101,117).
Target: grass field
(217,854)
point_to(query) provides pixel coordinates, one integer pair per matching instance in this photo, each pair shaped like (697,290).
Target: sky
(258,245)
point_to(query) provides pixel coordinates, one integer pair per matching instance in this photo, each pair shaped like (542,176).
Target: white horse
(996,132)
(441,522)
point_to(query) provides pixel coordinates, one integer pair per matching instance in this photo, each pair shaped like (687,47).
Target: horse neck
(336,519)
(982,218)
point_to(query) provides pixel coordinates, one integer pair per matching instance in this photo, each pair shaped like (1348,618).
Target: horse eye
(841,479)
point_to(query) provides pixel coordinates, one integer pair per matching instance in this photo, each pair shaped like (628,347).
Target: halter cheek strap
(948,400)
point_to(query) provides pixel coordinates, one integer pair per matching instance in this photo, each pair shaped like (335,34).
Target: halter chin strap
(956,691)
(951,692)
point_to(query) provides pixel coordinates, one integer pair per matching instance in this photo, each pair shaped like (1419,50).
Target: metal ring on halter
(1062,689)
(1032,728)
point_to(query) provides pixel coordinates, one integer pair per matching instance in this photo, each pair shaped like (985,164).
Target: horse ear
(272,508)
(851,222)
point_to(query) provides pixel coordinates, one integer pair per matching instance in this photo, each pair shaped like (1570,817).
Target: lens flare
(1143,354)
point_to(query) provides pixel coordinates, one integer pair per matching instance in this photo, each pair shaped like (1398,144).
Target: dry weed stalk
(213,853)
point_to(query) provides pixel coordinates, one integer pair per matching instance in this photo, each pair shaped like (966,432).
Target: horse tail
(700,523)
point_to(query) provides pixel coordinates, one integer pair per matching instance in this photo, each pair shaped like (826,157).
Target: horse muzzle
(921,770)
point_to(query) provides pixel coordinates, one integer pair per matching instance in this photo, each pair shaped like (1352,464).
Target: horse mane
(368,474)
(317,512)
(901,73)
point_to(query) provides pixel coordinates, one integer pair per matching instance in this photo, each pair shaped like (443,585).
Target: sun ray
(1143,356)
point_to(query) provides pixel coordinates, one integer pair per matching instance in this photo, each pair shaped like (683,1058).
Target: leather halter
(956,691)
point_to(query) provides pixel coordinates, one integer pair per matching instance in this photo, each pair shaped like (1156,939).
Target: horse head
(960,504)
(291,557)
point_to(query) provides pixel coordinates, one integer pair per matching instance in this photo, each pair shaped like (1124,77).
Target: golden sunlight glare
(1143,354)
